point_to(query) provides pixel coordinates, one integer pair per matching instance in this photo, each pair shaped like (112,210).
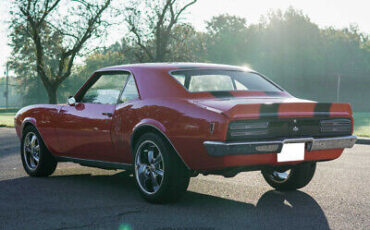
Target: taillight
(237,129)
(336,126)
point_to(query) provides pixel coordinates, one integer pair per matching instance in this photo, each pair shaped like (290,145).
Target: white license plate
(291,152)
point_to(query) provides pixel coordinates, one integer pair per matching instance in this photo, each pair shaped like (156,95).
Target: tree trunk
(52,95)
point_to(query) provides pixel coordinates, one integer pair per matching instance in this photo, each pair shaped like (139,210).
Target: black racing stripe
(222,94)
(322,109)
(270,110)
(272,93)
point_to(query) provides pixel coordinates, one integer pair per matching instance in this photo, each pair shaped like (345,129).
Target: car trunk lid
(238,108)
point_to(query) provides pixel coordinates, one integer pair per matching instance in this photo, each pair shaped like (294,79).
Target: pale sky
(336,13)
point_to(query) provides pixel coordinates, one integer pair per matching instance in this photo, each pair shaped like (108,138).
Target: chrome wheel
(149,167)
(31,150)
(280,177)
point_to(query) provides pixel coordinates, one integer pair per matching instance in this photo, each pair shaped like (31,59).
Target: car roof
(160,83)
(173,66)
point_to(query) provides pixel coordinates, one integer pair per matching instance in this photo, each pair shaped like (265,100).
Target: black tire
(46,162)
(299,176)
(175,179)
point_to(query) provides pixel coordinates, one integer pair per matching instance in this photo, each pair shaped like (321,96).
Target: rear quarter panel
(186,125)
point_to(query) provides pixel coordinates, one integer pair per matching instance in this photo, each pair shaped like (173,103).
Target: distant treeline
(323,64)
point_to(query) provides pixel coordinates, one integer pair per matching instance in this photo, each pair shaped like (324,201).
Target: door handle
(108,114)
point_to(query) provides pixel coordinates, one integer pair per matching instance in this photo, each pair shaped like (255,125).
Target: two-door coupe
(168,122)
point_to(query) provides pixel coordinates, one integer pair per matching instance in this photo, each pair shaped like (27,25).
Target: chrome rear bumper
(218,148)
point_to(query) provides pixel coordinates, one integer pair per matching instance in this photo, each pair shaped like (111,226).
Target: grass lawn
(362,122)
(7,119)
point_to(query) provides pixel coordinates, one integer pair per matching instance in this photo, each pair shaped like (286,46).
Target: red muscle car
(169,122)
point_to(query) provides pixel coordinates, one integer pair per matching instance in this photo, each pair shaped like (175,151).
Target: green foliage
(46,40)
(14,97)
(187,45)
(94,61)
(294,52)
(306,60)
(362,124)
(287,48)
(227,40)
(151,25)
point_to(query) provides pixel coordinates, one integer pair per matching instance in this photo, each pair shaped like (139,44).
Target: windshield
(222,80)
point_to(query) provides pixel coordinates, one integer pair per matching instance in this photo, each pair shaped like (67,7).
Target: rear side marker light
(211,127)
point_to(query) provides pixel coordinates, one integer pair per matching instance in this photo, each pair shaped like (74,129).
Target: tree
(97,59)
(287,47)
(187,45)
(151,24)
(51,38)
(227,39)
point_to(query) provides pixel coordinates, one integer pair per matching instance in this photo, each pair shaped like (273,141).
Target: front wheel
(160,175)
(294,178)
(36,158)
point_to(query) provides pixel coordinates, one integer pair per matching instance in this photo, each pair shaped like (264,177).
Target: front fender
(19,125)
(27,120)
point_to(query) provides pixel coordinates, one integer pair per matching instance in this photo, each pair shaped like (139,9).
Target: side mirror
(71,101)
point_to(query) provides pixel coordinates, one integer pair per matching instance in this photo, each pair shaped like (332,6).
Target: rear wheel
(291,179)
(160,175)
(36,159)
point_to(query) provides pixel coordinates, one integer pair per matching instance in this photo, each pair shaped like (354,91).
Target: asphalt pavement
(77,197)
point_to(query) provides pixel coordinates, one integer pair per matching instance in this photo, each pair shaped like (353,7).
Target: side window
(180,78)
(106,89)
(130,91)
(240,86)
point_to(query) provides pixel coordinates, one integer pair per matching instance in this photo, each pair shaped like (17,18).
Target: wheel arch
(141,129)
(29,121)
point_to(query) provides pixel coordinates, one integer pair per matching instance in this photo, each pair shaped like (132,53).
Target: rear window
(222,80)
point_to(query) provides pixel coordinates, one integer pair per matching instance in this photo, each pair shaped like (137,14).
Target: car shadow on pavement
(112,202)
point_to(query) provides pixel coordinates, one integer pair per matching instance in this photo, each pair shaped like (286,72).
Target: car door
(125,118)
(84,129)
